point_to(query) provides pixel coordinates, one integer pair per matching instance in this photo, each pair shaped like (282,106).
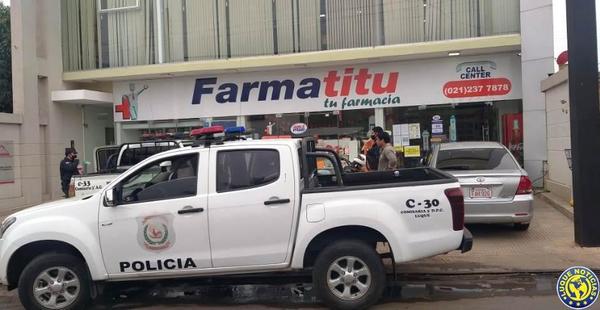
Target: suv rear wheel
(55,281)
(349,275)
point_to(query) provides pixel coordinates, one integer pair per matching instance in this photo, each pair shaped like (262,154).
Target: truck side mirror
(109,198)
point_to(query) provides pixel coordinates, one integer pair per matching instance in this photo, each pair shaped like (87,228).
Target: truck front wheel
(349,275)
(55,281)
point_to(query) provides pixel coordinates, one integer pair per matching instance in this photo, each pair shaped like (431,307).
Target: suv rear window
(476,159)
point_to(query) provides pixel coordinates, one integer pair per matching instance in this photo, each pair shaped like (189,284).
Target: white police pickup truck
(233,208)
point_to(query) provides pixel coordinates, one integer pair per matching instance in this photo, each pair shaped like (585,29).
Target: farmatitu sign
(363,86)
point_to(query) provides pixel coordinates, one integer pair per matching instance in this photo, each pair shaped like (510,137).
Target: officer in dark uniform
(68,168)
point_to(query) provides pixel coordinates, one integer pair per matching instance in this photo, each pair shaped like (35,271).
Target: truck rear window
(237,170)
(476,159)
(132,156)
(104,157)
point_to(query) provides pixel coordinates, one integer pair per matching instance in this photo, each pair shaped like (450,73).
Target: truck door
(160,222)
(251,200)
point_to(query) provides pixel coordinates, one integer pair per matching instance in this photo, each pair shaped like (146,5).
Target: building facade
(92,73)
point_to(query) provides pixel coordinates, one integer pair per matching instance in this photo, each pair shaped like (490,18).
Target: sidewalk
(558,203)
(548,246)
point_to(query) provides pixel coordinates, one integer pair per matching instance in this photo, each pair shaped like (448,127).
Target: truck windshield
(476,159)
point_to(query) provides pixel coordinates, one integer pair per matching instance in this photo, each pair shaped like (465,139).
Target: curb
(561,206)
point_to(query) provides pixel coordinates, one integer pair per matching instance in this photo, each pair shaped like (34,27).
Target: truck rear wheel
(349,274)
(55,281)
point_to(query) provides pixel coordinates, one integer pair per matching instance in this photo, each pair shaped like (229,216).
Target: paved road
(520,291)
(489,277)
(548,245)
(548,302)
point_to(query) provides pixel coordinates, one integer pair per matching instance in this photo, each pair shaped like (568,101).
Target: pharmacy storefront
(475,98)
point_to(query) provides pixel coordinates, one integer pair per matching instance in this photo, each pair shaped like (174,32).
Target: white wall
(97,119)
(559,177)
(44,128)
(11,194)
(537,54)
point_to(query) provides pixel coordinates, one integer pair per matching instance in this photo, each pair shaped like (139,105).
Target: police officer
(68,168)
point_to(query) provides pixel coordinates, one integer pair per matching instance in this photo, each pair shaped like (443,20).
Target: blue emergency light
(234,133)
(235,130)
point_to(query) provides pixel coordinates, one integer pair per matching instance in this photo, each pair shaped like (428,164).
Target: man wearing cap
(68,168)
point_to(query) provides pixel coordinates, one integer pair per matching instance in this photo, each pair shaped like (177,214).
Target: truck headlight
(6,224)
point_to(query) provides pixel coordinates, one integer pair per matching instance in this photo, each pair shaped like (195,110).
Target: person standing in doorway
(68,168)
(387,157)
(371,150)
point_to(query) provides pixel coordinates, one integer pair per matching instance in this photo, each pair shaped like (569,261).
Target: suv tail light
(457,203)
(525,186)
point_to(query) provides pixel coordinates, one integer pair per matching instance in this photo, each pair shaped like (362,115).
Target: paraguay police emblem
(155,233)
(577,287)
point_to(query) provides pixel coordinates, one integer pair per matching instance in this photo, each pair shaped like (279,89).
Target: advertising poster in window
(414,131)
(512,136)
(437,125)
(412,151)
(7,168)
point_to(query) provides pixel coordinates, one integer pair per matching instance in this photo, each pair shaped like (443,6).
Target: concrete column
(537,53)
(380,118)
(118,133)
(64,120)
(25,98)
(379,28)
(241,121)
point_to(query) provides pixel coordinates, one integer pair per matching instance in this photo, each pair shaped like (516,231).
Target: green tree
(6,100)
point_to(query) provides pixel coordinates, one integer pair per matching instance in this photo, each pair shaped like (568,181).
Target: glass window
(168,178)
(476,159)
(117,33)
(237,170)
(343,131)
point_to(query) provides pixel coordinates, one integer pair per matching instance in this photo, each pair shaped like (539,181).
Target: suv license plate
(481,192)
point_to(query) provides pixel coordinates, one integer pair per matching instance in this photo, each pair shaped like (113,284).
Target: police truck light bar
(234,133)
(206,135)
(207,131)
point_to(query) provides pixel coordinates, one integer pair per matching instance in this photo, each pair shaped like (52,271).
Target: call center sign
(477,79)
